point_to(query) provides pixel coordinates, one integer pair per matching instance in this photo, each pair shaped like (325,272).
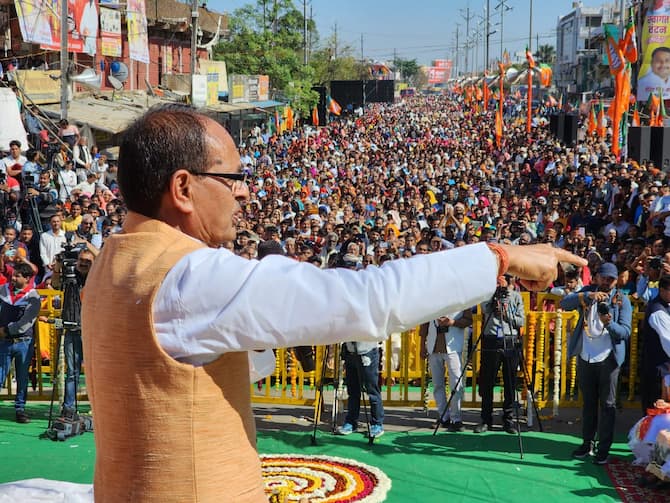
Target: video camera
(68,261)
(30,180)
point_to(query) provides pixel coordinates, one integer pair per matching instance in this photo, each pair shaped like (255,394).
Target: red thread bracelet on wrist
(503,258)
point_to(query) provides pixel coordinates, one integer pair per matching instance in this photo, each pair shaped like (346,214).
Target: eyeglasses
(239,179)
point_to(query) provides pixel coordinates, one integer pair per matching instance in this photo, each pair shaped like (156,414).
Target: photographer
(19,307)
(442,340)
(39,197)
(72,347)
(599,342)
(504,315)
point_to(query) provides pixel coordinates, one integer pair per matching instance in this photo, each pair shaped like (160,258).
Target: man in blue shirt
(599,343)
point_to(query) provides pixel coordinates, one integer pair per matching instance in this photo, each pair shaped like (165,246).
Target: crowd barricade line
(404,374)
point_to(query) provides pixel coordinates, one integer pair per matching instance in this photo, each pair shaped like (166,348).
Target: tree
(408,68)
(333,62)
(266,39)
(545,54)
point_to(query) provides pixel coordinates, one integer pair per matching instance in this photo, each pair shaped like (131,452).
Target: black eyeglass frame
(238,177)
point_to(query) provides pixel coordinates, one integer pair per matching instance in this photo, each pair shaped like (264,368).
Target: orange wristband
(503,258)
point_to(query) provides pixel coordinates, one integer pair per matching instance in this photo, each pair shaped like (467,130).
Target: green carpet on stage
(454,467)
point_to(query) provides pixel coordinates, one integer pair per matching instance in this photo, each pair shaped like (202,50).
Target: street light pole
(530,28)
(502,5)
(63,60)
(194,42)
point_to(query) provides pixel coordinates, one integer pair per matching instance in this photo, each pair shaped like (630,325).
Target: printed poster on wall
(34,20)
(110,32)
(82,25)
(655,69)
(138,40)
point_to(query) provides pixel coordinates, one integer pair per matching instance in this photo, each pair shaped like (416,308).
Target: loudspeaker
(569,136)
(379,91)
(659,147)
(347,92)
(639,139)
(557,125)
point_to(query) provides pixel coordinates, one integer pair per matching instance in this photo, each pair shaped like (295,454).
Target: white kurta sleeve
(212,302)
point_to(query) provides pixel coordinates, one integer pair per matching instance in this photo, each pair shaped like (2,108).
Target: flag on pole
(289,117)
(614,54)
(529,105)
(629,41)
(315,116)
(593,122)
(333,106)
(499,126)
(636,117)
(602,121)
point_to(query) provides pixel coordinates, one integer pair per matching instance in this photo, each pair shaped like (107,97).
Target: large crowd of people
(417,176)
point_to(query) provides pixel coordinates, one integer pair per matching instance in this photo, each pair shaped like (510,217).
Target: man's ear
(180,191)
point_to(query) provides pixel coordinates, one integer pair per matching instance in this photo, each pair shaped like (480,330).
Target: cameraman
(43,194)
(19,307)
(599,343)
(504,315)
(72,338)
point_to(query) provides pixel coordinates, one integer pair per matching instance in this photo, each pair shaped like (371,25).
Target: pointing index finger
(565,256)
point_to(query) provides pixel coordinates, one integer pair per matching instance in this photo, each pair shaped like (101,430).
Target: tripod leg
(458,382)
(363,389)
(54,370)
(319,393)
(530,387)
(511,374)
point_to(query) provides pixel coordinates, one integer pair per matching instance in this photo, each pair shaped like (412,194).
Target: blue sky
(426,29)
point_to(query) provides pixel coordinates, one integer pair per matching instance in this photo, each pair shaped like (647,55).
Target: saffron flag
(315,116)
(593,120)
(629,42)
(333,106)
(529,105)
(289,117)
(499,127)
(614,54)
(636,117)
(545,75)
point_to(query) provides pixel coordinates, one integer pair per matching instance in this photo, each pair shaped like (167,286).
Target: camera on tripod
(30,180)
(68,261)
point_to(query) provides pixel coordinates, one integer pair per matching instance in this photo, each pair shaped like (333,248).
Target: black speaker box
(557,125)
(569,136)
(639,143)
(659,147)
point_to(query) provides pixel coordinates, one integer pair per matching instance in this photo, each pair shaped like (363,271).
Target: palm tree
(545,54)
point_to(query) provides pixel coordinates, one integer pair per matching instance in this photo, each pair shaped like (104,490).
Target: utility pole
(457,49)
(502,5)
(304,32)
(63,60)
(335,41)
(362,57)
(194,42)
(488,34)
(530,28)
(467,17)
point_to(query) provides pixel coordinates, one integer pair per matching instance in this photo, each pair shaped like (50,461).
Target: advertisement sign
(110,32)
(248,88)
(445,64)
(218,69)
(436,75)
(138,40)
(39,21)
(655,70)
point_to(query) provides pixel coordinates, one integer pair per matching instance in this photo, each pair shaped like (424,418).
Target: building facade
(580,48)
